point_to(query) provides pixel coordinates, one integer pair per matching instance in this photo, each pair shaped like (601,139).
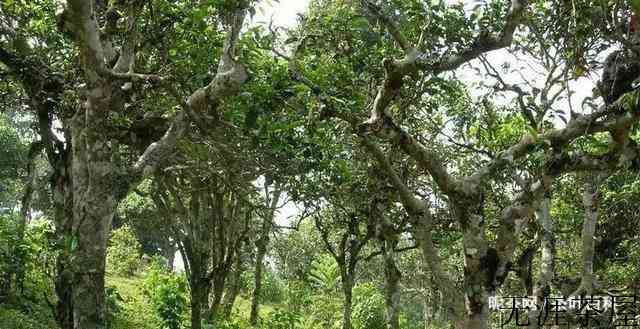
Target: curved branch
(230,77)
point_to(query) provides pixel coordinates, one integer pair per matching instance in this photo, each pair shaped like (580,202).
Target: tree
(467,130)
(271,200)
(344,238)
(89,184)
(486,265)
(210,211)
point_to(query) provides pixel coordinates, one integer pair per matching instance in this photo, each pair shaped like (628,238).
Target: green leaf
(360,23)
(73,244)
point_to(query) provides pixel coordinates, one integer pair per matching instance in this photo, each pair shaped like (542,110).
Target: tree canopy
(379,164)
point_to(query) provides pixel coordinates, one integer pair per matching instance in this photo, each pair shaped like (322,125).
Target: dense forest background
(378,164)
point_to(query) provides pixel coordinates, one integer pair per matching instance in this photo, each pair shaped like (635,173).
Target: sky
(284,12)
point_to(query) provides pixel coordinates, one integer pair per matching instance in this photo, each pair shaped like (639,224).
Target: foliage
(123,252)
(167,293)
(282,319)
(14,319)
(31,254)
(13,154)
(134,308)
(305,123)
(295,251)
(273,287)
(368,308)
(324,274)
(27,306)
(113,303)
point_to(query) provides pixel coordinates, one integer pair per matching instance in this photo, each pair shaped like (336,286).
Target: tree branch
(390,25)
(607,118)
(80,20)
(227,81)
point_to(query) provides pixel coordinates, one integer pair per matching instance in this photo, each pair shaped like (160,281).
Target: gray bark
(480,264)
(392,286)
(347,289)
(271,201)
(590,202)
(547,259)
(232,292)
(93,209)
(215,299)
(454,307)
(255,296)
(95,193)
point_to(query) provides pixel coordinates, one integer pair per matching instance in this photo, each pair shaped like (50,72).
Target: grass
(134,309)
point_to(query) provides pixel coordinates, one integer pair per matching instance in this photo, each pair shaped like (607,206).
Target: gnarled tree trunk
(271,199)
(454,307)
(547,259)
(590,202)
(94,205)
(257,279)
(347,290)
(392,286)
(480,262)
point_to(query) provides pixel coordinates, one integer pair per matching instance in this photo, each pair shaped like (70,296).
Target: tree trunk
(392,292)
(547,260)
(62,192)
(200,287)
(64,292)
(169,250)
(255,297)
(89,262)
(94,205)
(590,201)
(454,307)
(230,296)
(196,310)
(480,263)
(261,245)
(347,288)
(219,280)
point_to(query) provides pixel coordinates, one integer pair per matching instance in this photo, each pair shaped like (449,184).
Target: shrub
(14,319)
(272,288)
(227,324)
(368,308)
(123,253)
(132,309)
(30,257)
(15,253)
(113,301)
(167,294)
(282,320)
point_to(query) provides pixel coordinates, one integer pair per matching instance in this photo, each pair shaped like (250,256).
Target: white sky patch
(284,12)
